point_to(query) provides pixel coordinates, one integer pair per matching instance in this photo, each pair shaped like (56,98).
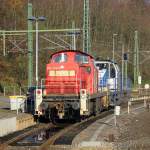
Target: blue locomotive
(109,79)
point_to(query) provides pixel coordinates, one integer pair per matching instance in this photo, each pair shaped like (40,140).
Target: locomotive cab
(109,79)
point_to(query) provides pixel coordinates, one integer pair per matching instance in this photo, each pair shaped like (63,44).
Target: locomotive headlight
(88,69)
(62,67)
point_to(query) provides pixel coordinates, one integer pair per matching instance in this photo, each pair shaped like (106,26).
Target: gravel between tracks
(134,131)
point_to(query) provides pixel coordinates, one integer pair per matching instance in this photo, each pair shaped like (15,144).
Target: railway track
(59,138)
(65,136)
(14,137)
(58,135)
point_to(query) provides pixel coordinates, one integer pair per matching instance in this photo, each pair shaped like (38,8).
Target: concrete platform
(96,135)
(128,133)
(10,121)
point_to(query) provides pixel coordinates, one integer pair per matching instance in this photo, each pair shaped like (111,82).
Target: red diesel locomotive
(71,87)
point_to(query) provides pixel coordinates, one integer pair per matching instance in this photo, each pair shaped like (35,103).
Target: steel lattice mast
(86,28)
(136,59)
(30,48)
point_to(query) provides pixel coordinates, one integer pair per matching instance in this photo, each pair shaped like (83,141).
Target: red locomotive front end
(70,71)
(70,85)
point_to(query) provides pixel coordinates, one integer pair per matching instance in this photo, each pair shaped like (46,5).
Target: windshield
(81,58)
(102,66)
(60,58)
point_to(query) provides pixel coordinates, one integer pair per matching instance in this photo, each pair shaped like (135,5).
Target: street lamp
(37,19)
(114,46)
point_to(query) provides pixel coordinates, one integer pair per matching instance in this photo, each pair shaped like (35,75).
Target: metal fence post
(4,91)
(129,104)
(145,102)
(17,105)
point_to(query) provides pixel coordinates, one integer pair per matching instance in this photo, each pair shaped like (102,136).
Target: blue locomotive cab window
(59,58)
(102,66)
(79,58)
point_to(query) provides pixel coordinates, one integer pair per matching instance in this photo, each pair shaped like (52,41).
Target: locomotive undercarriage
(56,108)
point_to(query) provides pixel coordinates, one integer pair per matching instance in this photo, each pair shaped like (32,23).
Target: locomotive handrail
(57,85)
(139,98)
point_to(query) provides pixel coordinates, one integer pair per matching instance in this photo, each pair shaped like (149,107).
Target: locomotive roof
(77,51)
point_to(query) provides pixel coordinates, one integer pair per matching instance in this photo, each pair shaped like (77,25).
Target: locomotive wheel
(53,115)
(77,115)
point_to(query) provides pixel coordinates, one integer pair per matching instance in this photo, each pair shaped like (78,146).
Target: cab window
(60,58)
(102,66)
(79,58)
